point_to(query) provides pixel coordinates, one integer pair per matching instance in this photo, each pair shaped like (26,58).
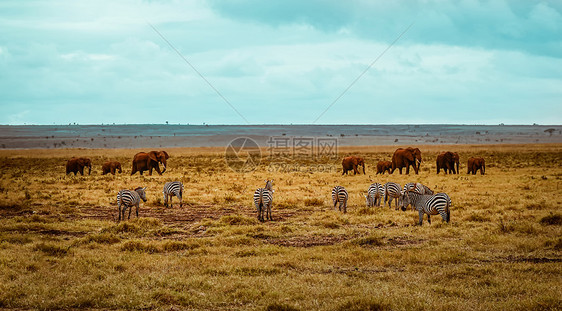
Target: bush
(552,219)
(51,250)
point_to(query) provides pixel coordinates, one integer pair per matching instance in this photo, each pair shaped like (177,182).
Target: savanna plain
(61,246)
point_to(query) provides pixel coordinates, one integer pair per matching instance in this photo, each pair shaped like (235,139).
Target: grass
(61,247)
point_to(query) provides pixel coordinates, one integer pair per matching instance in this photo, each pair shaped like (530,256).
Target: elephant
(457,158)
(76,165)
(475,164)
(111,167)
(384,166)
(143,161)
(446,161)
(406,157)
(351,163)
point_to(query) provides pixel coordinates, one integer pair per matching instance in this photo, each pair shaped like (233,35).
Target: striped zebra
(423,189)
(429,204)
(374,194)
(263,198)
(339,195)
(173,188)
(128,199)
(391,191)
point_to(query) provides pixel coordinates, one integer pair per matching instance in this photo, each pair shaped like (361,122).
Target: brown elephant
(446,161)
(76,165)
(384,166)
(111,167)
(456,158)
(406,158)
(143,161)
(351,163)
(475,164)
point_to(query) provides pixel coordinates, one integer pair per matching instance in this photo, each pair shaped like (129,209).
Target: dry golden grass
(60,247)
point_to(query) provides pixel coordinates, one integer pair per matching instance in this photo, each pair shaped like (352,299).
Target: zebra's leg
(165,200)
(420,222)
(130,209)
(269,211)
(181,200)
(138,205)
(119,211)
(395,203)
(429,219)
(345,206)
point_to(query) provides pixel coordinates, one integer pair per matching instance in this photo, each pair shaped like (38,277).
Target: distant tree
(549,131)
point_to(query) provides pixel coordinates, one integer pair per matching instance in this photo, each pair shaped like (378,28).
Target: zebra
(128,199)
(423,189)
(429,204)
(173,188)
(339,195)
(391,191)
(263,198)
(374,194)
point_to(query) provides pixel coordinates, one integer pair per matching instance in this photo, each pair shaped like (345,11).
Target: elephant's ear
(165,154)
(410,156)
(152,156)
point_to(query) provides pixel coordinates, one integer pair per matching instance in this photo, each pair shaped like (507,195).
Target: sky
(281,62)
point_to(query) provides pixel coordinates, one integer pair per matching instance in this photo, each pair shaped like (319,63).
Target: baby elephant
(110,167)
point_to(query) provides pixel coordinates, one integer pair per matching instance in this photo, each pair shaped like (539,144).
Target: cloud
(280,62)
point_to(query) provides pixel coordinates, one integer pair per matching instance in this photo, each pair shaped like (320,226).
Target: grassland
(60,247)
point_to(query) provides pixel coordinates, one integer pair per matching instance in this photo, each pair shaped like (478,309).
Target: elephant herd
(411,157)
(142,161)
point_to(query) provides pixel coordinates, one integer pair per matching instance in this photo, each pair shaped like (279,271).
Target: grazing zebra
(375,194)
(391,191)
(263,198)
(339,195)
(174,188)
(423,189)
(128,199)
(429,204)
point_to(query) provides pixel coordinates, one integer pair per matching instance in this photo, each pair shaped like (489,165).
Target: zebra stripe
(263,199)
(375,194)
(423,189)
(128,199)
(174,188)
(429,204)
(391,191)
(339,195)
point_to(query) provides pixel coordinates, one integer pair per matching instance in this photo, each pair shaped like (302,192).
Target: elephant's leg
(400,169)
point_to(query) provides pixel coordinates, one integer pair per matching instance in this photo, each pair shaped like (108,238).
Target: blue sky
(468,62)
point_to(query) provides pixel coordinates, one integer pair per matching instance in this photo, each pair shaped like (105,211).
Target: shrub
(51,250)
(137,246)
(552,219)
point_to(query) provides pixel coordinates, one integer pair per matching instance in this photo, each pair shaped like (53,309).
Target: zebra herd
(419,196)
(129,198)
